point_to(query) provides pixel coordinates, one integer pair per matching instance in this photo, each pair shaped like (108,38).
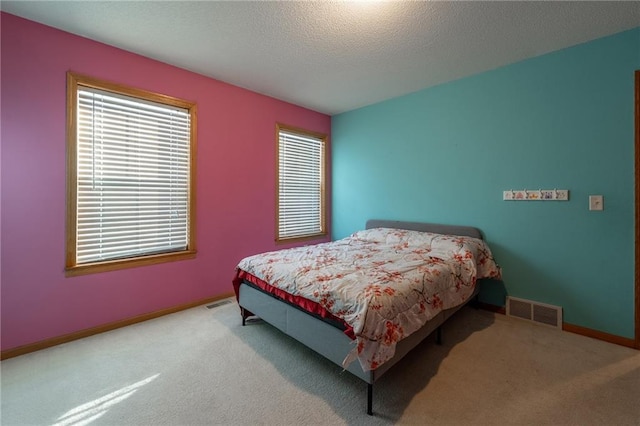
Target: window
(301,184)
(130,177)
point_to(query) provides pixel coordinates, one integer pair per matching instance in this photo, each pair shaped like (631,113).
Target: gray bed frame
(328,340)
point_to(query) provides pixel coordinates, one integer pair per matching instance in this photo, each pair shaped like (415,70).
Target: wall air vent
(539,313)
(220,303)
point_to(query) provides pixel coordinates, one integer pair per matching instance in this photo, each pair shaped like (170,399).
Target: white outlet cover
(596,202)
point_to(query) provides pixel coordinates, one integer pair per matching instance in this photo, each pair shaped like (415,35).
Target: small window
(301,184)
(130,177)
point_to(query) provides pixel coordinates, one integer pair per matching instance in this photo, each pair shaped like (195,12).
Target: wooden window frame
(74,81)
(323,193)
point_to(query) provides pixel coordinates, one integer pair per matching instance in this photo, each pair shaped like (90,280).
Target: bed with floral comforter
(382,284)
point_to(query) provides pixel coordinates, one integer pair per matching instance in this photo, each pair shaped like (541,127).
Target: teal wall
(562,120)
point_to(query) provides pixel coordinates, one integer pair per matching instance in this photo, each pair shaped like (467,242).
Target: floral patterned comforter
(384,283)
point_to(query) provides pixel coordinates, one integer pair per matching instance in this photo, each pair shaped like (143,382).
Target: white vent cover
(536,312)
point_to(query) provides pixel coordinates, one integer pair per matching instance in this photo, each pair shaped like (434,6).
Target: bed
(365,301)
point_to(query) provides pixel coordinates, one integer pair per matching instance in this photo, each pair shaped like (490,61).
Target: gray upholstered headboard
(469,231)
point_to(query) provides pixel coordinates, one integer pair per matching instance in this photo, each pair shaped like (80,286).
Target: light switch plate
(536,194)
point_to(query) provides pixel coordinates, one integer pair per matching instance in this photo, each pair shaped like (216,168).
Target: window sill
(113,265)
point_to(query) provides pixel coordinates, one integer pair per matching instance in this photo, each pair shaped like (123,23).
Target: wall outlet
(596,202)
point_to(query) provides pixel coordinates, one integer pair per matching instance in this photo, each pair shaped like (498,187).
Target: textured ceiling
(334,56)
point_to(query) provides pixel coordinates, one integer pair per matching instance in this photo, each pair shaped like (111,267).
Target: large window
(130,177)
(301,184)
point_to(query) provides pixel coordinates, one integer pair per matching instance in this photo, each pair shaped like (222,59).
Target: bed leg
(439,335)
(243,313)
(369,399)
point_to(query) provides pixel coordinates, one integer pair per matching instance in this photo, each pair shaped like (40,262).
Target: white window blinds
(132,177)
(300,185)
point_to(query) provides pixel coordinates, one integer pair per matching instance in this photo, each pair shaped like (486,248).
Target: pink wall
(235,185)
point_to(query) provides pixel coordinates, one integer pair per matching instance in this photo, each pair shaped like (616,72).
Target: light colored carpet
(201,366)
